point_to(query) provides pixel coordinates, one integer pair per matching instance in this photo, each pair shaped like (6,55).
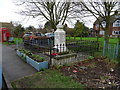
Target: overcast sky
(8,13)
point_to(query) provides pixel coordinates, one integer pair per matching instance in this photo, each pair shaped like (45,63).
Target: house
(114,28)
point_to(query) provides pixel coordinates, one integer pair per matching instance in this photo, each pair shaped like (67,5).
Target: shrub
(31,55)
(37,58)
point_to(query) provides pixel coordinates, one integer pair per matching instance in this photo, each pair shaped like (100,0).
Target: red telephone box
(5,34)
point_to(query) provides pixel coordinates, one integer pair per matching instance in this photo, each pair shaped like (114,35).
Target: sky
(8,13)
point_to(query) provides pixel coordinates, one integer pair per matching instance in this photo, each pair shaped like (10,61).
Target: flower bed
(34,60)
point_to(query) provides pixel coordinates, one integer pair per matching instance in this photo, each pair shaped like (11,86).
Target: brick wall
(111,28)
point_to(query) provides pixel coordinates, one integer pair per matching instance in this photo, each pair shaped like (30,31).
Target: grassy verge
(19,41)
(47,79)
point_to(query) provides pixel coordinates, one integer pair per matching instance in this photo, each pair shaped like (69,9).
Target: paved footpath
(13,67)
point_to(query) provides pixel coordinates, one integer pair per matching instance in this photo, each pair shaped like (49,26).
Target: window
(103,23)
(116,23)
(28,34)
(102,32)
(97,25)
(116,33)
(38,34)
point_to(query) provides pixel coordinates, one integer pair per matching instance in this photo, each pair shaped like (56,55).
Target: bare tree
(53,11)
(99,9)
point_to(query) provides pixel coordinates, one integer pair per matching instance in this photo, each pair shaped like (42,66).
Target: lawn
(47,79)
(101,39)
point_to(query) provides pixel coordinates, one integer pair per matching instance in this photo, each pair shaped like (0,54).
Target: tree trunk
(98,33)
(97,38)
(81,37)
(106,38)
(74,37)
(119,50)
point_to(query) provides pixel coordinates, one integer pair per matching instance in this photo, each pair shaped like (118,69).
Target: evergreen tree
(78,29)
(19,30)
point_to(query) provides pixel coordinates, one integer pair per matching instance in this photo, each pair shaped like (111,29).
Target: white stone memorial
(60,39)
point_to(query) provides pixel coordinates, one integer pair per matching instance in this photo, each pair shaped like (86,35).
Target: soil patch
(95,73)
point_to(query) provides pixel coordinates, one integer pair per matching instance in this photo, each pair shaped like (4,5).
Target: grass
(112,42)
(101,39)
(97,54)
(47,79)
(19,41)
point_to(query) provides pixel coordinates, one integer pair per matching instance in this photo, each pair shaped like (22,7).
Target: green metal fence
(112,51)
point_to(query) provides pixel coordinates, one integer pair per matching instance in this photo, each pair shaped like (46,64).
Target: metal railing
(83,49)
(112,51)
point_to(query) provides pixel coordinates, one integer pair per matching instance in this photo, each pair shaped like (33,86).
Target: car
(33,36)
(50,35)
(27,34)
(37,38)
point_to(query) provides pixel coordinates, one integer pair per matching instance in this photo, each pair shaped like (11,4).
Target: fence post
(114,51)
(60,47)
(63,47)
(97,46)
(118,53)
(50,51)
(17,43)
(108,50)
(104,45)
(57,48)
(118,58)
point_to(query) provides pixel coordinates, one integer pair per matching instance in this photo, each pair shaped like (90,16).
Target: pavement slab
(12,66)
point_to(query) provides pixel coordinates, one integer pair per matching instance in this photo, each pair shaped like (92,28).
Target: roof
(113,19)
(5,24)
